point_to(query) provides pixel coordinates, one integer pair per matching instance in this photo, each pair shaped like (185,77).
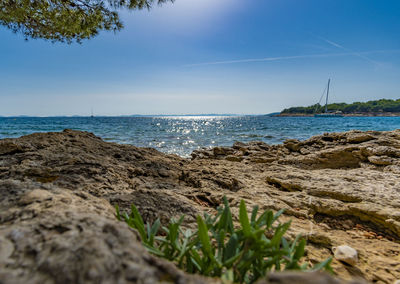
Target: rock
(261,160)
(346,254)
(75,240)
(380,160)
(348,224)
(359,137)
(8,147)
(222,151)
(58,192)
(239,145)
(296,277)
(36,195)
(233,158)
(163,173)
(380,150)
(292,144)
(6,249)
(305,151)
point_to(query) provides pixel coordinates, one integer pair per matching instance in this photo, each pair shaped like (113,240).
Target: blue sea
(182,134)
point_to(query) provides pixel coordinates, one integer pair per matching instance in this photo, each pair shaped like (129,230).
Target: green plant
(219,249)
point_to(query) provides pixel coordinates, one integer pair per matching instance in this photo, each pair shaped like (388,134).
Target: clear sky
(210,56)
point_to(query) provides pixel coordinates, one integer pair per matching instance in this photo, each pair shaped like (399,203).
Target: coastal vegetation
(377,106)
(218,249)
(67,20)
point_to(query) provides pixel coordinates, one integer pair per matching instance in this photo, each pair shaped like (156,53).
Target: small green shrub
(218,249)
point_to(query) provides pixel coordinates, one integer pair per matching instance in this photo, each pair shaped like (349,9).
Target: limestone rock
(222,151)
(70,239)
(8,147)
(346,254)
(359,137)
(301,278)
(380,160)
(58,192)
(233,158)
(36,195)
(292,144)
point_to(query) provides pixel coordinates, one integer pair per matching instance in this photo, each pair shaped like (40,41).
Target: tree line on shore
(382,105)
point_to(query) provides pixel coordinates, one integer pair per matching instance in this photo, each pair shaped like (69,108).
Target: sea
(181,135)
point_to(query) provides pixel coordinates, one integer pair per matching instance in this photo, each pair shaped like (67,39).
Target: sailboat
(326,113)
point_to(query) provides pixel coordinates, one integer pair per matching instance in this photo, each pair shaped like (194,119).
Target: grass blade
(277,215)
(280,231)
(323,265)
(244,219)
(203,236)
(299,252)
(117,212)
(254,215)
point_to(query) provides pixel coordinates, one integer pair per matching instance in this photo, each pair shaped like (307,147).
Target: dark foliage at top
(382,105)
(66,20)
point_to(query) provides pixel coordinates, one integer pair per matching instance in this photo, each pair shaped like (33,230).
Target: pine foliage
(66,20)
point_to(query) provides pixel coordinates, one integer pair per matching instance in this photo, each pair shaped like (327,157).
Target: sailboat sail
(326,113)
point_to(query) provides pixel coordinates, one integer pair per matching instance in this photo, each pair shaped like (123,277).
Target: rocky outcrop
(301,278)
(57,237)
(339,188)
(57,222)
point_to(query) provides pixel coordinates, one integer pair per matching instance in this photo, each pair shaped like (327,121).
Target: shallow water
(182,134)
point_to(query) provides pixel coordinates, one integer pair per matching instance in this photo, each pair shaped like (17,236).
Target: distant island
(382,107)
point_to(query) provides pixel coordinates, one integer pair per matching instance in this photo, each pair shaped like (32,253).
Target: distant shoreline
(367,114)
(136,115)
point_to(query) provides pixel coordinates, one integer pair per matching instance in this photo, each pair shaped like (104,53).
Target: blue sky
(210,56)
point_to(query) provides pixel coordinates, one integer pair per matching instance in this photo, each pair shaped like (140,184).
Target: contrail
(331,42)
(292,57)
(349,50)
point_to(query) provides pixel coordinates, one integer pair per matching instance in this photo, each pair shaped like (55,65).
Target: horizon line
(138,115)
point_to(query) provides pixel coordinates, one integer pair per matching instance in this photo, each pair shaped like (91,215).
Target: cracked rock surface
(57,222)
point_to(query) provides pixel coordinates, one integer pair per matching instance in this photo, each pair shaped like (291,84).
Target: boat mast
(327,94)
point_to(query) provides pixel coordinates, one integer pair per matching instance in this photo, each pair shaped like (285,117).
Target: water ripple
(181,135)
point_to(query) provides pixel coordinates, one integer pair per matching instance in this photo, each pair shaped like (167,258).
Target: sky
(210,56)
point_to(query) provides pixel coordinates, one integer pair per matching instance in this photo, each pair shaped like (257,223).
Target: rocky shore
(57,222)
